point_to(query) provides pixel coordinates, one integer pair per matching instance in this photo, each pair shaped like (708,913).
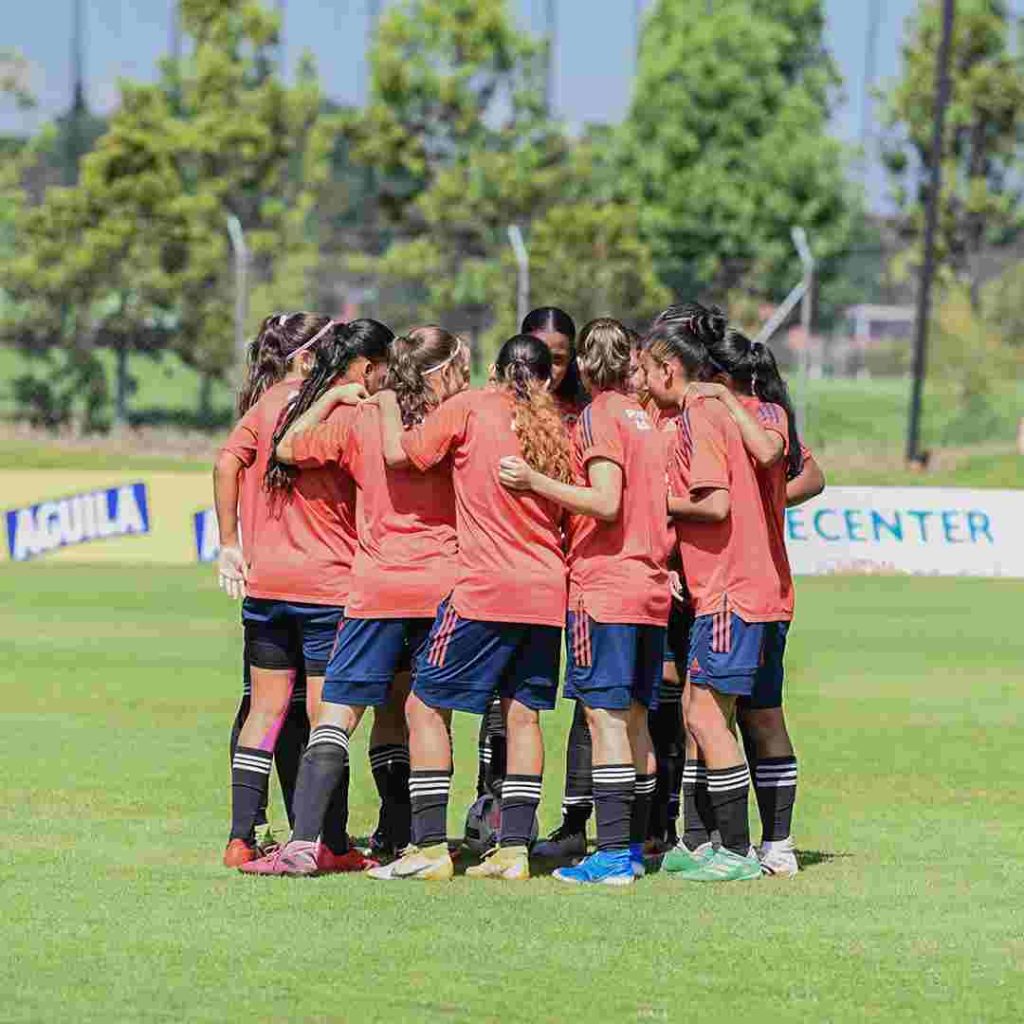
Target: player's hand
(675,584)
(515,474)
(232,572)
(347,394)
(704,389)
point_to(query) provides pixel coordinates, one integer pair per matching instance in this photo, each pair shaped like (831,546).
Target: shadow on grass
(812,858)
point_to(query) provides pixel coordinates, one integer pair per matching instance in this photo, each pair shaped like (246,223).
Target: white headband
(444,362)
(316,337)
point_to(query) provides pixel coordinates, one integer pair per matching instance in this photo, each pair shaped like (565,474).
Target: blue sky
(595,54)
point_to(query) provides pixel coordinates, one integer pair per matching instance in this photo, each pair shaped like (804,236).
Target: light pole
(515,238)
(915,456)
(240,253)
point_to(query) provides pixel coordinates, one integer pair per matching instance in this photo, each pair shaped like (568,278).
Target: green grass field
(905,699)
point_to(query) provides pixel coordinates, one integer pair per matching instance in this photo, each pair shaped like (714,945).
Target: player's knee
(763,725)
(521,717)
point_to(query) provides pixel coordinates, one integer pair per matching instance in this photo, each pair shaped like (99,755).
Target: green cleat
(680,859)
(725,866)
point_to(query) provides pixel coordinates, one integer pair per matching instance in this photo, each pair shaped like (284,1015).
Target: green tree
(135,257)
(726,143)
(980,201)
(456,129)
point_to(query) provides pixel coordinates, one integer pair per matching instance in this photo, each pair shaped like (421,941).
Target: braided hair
(522,366)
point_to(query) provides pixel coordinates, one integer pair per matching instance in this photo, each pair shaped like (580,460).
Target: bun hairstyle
(679,339)
(552,320)
(414,356)
(604,354)
(280,336)
(708,323)
(333,353)
(522,367)
(753,370)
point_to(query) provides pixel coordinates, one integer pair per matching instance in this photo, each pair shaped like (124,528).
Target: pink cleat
(296,859)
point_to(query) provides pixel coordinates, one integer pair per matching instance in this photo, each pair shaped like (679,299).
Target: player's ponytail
(268,353)
(415,357)
(522,367)
(605,354)
(752,368)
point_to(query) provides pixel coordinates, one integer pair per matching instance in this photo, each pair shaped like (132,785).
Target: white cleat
(778,858)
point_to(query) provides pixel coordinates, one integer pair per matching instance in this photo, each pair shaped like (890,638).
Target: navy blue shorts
(287,635)
(466,662)
(367,654)
(771,673)
(677,638)
(725,653)
(612,665)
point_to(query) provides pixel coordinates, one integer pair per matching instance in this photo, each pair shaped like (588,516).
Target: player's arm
(342,394)
(231,567)
(601,500)
(703,505)
(765,447)
(807,484)
(391,429)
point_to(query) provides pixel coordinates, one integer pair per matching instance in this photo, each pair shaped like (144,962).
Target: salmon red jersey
(618,570)
(569,409)
(405,563)
(727,565)
(300,546)
(510,562)
(772,483)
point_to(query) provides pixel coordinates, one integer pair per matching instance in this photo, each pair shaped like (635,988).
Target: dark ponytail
(332,355)
(267,356)
(753,370)
(522,367)
(552,320)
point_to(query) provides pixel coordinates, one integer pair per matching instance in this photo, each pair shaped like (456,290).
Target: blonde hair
(603,351)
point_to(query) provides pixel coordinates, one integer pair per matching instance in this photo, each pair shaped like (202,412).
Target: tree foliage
(726,144)
(980,199)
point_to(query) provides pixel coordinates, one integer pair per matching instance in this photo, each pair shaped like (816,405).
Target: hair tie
(283,319)
(316,337)
(444,362)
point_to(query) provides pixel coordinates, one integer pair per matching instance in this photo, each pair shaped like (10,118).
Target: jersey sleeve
(773,417)
(429,443)
(243,441)
(327,442)
(709,464)
(597,436)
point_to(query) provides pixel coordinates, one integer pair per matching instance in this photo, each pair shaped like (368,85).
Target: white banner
(936,531)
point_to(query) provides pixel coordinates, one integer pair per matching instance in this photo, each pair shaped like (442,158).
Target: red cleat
(330,863)
(239,852)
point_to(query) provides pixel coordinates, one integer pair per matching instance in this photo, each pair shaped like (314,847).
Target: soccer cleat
(606,867)
(511,863)
(266,841)
(636,860)
(681,858)
(778,858)
(563,844)
(725,866)
(296,859)
(239,852)
(431,864)
(380,848)
(330,863)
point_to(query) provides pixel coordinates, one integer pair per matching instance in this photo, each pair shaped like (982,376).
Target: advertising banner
(160,517)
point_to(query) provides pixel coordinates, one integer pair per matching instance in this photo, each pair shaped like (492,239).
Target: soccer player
(726,553)
(500,628)
(298,539)
(619,542)
(557,330)
(748,384)
(404,567)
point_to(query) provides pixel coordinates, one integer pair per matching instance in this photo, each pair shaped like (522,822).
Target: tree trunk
(205,407)
(121,387)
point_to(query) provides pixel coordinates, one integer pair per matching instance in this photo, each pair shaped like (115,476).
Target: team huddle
(406,543)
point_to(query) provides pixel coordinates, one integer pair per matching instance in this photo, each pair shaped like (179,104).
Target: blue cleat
(636,860)
(606,867)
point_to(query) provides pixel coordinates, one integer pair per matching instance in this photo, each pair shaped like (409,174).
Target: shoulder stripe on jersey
(586,428)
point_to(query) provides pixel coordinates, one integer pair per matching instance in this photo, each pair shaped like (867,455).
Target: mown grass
(118,688)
